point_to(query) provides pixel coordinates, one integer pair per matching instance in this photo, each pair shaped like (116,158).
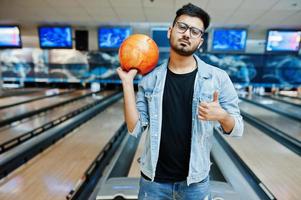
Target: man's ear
(168,32)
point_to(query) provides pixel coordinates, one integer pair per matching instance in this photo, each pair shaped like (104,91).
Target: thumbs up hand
(211,110)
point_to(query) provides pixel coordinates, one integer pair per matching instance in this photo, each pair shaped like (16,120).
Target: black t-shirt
(175,143)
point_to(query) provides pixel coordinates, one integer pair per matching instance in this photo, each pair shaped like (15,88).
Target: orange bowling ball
(139,52)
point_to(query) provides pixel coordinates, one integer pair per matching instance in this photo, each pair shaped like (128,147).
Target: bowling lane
(294,101)
(273,119)
(290,94)
(6,92)
(134,171)
(52,174)
(282,107)
(11,112)
(8,133)
(278,168)
(12,100)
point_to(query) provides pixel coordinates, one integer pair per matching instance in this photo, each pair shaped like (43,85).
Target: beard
(183,47)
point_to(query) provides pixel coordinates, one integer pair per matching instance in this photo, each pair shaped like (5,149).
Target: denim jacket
(149,104)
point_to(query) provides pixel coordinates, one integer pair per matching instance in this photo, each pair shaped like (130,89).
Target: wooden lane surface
(291,94)
(53,173)
(18,99)
(10,132)
(287,99)
(6,92)
(278,105)
(278,168)
(135,166)
(278,121)
(35,105)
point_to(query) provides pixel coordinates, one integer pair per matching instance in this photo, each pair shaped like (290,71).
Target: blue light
(159,35)
(55,37)
(229,40)
(112,37)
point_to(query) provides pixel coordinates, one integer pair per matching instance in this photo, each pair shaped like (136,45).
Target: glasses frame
(190,28)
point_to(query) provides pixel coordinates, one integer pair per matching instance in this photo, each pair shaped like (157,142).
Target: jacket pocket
(207,124)
(206,96)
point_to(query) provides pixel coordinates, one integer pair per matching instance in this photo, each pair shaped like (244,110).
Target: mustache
(185,41)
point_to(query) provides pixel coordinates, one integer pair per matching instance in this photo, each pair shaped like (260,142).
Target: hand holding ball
(139,52)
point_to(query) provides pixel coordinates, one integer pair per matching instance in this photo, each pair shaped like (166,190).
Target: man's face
(186,42)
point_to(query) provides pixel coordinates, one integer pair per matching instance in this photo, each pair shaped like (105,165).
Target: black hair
(193,11)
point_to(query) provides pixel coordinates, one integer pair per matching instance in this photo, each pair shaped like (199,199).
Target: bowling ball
(138,52)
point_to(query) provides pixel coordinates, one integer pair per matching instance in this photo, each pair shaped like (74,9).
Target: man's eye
(182,26)
(195,32)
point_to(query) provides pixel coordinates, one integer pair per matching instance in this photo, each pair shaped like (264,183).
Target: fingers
(206,111)
(209,110)
(203,112)
(204,104)
(201,117)
(133,71)
(118,70)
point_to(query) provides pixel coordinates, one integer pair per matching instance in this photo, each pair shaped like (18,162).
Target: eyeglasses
(182,27)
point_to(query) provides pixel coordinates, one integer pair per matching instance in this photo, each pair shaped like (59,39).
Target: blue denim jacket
(149,104)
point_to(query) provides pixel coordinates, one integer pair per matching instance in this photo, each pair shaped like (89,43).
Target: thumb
(215,96)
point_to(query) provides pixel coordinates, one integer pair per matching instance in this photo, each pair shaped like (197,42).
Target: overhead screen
(55,37)
(10,37)
(229,40)
(159,35)
(112,37)
(283,40)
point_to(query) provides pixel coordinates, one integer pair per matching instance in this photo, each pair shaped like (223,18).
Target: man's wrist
(127,83)
(223,117)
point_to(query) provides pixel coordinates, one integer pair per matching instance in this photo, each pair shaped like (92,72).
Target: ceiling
(255,14)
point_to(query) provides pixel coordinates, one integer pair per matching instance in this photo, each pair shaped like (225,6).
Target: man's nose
(186,34)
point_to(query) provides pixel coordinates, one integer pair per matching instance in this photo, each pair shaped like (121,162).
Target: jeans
(173,191)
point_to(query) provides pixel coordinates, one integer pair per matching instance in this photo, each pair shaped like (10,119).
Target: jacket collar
(204,70)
